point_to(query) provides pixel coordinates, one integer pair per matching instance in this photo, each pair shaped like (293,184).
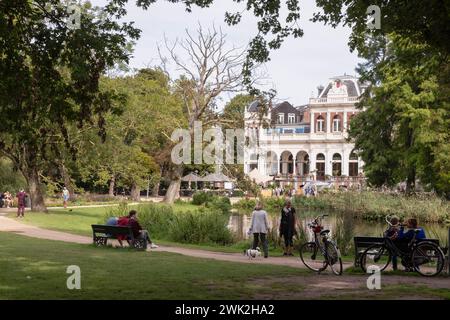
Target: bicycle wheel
(377,256)
(334,258)
(427,259)
(313,257)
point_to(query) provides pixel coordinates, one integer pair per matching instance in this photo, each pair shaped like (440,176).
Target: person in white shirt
(260,227)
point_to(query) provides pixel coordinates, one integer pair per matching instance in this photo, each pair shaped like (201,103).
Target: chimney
(319,90)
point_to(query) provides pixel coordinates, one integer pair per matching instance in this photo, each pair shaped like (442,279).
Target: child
(392,233)
(394,227)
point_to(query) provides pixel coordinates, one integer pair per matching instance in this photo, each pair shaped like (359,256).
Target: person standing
(287,227)
(66,196)
(21,195)
(259,227)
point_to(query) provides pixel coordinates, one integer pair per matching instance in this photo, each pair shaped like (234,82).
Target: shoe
(285,254)
(266,256)
(153,246)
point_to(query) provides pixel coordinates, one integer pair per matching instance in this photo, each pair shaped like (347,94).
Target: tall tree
(403,131)
(212,68)
(49,75)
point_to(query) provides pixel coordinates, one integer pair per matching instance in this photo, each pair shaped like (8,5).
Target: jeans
(145,235)
(288,242)
(256,238)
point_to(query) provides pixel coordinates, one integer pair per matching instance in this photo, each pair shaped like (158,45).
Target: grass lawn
(36,269)
(77,221)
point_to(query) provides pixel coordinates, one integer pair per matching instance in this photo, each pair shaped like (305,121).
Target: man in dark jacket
(287,227)
(138,232)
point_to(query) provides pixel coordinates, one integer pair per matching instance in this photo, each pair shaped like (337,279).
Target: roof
(191,177)
(253,107)
(216,177)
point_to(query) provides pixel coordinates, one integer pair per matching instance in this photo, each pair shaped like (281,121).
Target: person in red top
(21,195)
(123,222)
(138,232)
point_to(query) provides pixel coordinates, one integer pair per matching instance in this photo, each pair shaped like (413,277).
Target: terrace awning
(217,177)
(258,177)
(191,177)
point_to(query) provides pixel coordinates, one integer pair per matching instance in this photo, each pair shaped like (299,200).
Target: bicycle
(322,252)
(424,257)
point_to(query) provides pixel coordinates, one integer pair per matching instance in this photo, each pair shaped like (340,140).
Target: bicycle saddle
(324,232)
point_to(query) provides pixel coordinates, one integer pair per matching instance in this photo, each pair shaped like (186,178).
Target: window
(336,123)
(281,118)
(353,165)
(320,166)
(337,165)
(291,118)
(320,124)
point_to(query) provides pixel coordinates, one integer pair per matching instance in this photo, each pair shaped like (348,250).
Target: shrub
(196,227)
(200,198)
(221,204)
(200,227)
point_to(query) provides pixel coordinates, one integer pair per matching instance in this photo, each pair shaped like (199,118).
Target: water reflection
(343,227)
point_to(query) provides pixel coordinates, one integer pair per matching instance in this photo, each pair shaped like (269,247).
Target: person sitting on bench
(392,233)
(409,235)
(138,232)
(412,226)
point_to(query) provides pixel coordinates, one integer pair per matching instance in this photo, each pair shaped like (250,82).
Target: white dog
(252,253)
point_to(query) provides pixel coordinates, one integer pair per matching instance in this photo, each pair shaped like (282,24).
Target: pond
(343,227)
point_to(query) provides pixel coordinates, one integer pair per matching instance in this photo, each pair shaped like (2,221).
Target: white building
(306,142)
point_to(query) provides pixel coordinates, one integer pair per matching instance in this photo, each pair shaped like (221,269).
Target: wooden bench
(362,243)
(101,234)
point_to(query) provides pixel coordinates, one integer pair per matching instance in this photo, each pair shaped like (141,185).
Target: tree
(402,134)
(234,111)
(49,76)
(211,70)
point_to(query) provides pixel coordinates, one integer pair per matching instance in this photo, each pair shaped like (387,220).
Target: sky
(295,70)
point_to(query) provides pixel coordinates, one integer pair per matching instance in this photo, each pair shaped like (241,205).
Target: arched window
(320,124)
(320,166)
(353,165)
(336,123)
(337,165)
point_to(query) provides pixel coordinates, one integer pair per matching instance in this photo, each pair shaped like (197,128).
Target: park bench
(362,243)
(101,234)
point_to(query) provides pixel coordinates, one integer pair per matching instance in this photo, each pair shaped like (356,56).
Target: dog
(252,253)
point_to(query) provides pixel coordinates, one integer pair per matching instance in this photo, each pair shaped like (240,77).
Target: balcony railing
(333,100)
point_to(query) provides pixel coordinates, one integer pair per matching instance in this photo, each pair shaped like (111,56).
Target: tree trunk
(66,178)
(410,182)
(112,184)
(155,190)
(135,192)
(173,192)
(34,186)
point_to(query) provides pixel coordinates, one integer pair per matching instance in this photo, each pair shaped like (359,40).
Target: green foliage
(212,201)
(10,179)
(402,132)
(201,226)
(202,197)
(376,205)
(272,204)
(221,204)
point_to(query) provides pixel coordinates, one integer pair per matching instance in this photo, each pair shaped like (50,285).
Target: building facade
(307,142)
